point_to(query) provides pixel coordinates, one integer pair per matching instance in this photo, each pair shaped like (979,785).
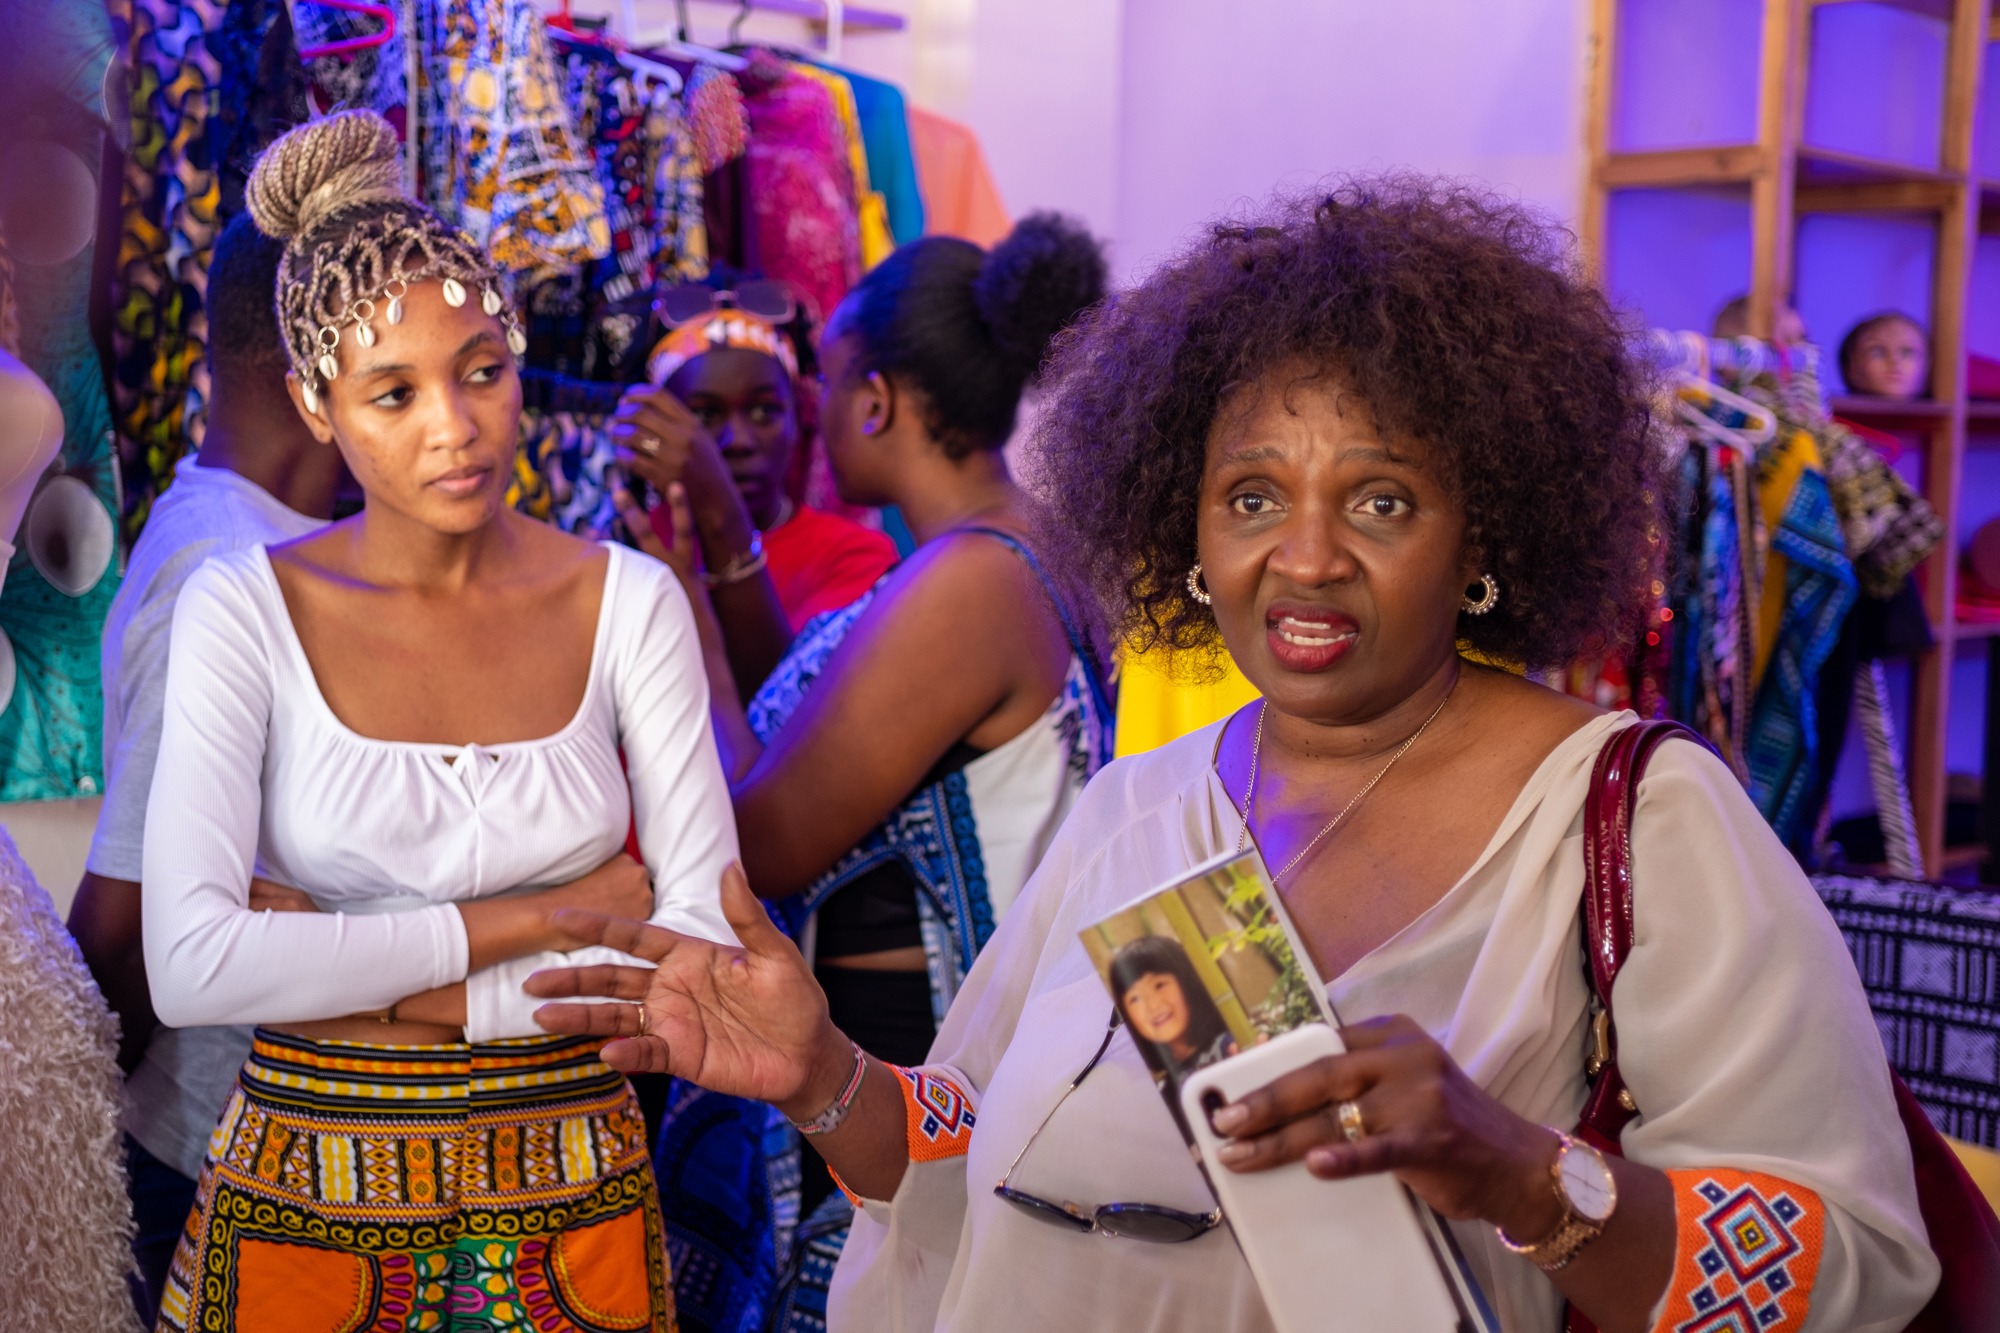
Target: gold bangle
(740,568)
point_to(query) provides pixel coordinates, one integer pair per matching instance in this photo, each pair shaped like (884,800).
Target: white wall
(1225,101)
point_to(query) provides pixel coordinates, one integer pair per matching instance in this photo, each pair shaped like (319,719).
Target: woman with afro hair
(1368,443)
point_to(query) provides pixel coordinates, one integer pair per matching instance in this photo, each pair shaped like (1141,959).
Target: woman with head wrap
(723,416)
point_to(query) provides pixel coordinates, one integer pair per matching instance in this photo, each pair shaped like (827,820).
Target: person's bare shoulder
(550,557)
(1525,720)
(318,553)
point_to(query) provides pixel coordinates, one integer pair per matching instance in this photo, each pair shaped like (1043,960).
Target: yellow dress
(1154,708)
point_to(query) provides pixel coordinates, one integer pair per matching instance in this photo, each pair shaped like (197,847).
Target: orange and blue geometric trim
(937,1119)
(940,1115)
(1746,1253)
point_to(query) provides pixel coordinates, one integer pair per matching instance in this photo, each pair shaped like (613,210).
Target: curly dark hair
(1456,317)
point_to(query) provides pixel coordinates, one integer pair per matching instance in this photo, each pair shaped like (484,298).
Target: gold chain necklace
(1256,755)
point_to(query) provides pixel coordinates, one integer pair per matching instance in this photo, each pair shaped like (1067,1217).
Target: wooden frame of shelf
(1785,178)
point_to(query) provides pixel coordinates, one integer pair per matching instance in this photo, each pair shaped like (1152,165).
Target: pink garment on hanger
(803,216)
(960,198)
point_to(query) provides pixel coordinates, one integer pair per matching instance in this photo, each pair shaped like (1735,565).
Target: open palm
(738,1020)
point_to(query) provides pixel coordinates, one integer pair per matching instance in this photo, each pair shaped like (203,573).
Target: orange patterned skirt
(352,1188)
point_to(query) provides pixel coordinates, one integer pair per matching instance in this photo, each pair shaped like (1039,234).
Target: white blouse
(256,776)
(1743,1034)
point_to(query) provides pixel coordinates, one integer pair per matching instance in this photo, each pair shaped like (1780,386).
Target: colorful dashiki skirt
(387,1189)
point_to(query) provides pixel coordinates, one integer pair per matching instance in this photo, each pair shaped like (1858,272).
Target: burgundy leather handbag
(1963,1230)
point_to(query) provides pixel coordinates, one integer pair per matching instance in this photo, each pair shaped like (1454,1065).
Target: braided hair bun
(321,168)
(332,191)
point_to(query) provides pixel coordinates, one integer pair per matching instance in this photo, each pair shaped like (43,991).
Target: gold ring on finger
(1350,1121)
(642,1018)
(646,444)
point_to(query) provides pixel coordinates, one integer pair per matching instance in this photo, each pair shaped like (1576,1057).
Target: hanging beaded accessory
(355,244)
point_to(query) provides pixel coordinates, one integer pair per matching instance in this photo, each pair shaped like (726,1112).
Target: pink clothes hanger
(369,42)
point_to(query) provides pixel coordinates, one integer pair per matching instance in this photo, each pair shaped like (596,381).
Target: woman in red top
(721,416)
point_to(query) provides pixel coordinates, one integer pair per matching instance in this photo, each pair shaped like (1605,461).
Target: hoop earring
(1489,599)
(1195,590)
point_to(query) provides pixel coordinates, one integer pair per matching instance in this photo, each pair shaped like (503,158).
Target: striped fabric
(402,1188)
(1885,771)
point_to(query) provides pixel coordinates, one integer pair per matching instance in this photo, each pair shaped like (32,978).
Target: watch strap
(1553,1252)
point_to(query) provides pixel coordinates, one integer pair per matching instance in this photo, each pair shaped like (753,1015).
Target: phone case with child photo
(1221,998)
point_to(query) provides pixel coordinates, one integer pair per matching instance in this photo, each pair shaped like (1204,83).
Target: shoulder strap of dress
(1607,910)
(1078,645)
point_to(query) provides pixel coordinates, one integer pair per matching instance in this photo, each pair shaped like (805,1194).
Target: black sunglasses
(766,298)
(1131,1221)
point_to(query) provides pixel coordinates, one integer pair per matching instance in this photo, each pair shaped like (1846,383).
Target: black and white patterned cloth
(1929,957)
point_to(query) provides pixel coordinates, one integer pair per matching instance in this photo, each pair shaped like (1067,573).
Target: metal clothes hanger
(649,73)
(349,46)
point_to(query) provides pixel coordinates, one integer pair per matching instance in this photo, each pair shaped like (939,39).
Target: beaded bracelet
(830,1119)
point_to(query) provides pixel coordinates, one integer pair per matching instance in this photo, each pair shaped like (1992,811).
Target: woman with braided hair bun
(414,718)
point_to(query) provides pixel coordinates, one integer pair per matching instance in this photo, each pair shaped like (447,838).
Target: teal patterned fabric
(52,725)
(1784,726)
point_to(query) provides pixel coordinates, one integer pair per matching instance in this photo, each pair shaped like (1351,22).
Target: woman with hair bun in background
(901,772)
(415,716)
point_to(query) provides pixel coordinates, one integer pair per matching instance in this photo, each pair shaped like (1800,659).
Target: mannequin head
(1733,321)
(31,434)
(1886,355)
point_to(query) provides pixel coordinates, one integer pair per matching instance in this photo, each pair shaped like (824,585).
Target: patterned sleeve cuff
(938,1119)
(1746,1253)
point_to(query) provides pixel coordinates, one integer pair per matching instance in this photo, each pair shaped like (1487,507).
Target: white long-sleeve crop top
(257,776)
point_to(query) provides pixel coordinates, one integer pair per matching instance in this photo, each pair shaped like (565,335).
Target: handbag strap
(1607,912)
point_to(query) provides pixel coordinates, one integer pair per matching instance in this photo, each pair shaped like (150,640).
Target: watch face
(1592,1190)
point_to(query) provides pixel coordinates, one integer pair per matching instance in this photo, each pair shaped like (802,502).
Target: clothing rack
(836,16)
(1679,352)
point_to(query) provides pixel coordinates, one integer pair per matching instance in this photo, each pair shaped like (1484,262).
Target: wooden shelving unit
(1786,177)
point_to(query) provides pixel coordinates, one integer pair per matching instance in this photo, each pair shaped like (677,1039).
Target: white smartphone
(1328,1255)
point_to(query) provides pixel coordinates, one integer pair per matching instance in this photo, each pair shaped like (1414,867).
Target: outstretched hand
(747,1020)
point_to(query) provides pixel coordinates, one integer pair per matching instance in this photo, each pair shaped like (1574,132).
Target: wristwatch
(1588,1193)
